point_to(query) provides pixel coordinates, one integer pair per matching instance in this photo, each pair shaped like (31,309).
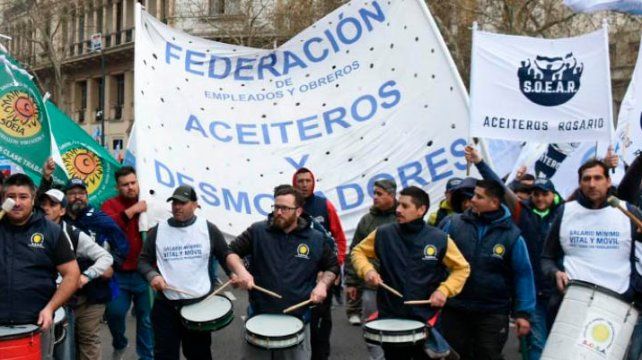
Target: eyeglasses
(283,208)
(76,194)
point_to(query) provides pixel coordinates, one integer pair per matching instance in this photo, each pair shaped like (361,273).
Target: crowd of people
(489,254)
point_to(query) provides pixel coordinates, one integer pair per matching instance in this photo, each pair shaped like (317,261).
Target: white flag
(368,92)
(541,89)
(630,6)
(629,123)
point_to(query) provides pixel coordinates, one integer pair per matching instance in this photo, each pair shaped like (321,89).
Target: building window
(120,96)
(225,7)
(81,100)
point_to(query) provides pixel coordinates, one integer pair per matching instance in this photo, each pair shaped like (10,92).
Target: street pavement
(346,341)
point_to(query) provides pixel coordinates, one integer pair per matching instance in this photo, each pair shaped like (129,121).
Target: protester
(322,210)
(35,251)
(178,269)
(286,241)
(125,209)
(53,203)
(460,198)
(414,258)
(533,217)
(91,301)
(475,322)
(445,205)
(361,298)
(609,267)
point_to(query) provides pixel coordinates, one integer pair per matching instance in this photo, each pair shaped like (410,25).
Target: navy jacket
(501,277)
(411,257)
(29,255)
(284,263)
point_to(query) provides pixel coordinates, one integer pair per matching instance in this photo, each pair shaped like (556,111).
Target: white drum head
(11,331)
(59,316)
(274,325)
(207,310)
(394,325)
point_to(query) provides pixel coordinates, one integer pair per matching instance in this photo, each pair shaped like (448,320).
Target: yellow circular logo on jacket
(19,115)
(303,251)
(499,250)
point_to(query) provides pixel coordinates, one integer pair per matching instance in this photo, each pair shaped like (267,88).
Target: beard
(283,222)
(76,207)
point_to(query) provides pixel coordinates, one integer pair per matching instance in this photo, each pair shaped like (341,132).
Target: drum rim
(180,312)
(35,330)
(602,289)
(229,314)
(212,325)
(420,326)
(299,336)
(302,330)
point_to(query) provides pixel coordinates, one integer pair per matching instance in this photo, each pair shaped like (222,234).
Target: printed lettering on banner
(554,90)
(341,98)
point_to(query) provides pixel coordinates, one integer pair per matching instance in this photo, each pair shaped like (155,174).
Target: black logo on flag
(549,162)
(550,81)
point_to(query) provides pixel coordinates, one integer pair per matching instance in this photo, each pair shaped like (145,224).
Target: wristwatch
(91,274)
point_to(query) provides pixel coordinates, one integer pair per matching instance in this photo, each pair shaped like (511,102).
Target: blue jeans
(635,349)
(539,330)
(132,286)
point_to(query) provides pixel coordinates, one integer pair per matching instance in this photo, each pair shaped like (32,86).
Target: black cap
(544,185)
(183,193)
(453,183)
(75,182)
(466,187)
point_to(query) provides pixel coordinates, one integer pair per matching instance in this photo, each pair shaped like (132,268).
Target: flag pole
(470,97)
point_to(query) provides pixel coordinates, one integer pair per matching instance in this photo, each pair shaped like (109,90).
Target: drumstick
(180,291)
(266,291)
(299,305)
(417,302)
(383,285)
(218,291)
(615,202)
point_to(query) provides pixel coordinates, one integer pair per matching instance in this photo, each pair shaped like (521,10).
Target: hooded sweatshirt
(322,210)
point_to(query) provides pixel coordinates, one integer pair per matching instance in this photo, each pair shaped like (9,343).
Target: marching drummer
(421,261)
(286,255)
(34,251)
(591,239)
(176,259)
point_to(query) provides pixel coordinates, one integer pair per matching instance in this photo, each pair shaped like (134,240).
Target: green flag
(82,157)
(25,138)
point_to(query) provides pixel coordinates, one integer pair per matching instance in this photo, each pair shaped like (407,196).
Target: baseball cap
(389,186)
(56,196)
(75,182)
(544,185)
(453,183)
(183,193)
(466,187)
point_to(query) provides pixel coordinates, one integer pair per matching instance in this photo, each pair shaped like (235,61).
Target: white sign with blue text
(368,92)
(545,90)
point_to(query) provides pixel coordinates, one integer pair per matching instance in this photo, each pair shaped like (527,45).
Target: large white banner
(629,123)
(630,6)
(368,92)
(548,90)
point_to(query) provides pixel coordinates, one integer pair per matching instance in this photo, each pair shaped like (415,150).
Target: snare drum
(592,323)
(60,325)
(274,331)
(20,342)
(401,332)
(210,314)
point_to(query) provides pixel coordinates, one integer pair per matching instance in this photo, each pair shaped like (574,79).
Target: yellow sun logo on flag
(19,115)
(86,165)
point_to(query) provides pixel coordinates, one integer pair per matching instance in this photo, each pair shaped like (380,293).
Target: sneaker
(354,320)
(119,354)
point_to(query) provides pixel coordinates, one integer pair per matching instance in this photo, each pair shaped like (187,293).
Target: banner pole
(470,97)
